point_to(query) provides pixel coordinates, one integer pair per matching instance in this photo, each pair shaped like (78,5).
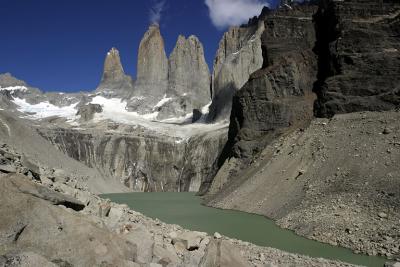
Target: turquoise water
(185,209)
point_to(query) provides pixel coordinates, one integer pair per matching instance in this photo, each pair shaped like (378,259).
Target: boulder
(25,259)
(24,186)
(87,111)
(223,254)
(189,240)
(165,257)
(144,242)
(31,222)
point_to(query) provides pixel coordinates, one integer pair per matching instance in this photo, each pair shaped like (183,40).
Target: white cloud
(224,13)
(156,11)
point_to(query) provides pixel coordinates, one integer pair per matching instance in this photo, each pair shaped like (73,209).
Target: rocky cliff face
(239,54)
(172,87)
(143,161)
(358,50)
(152,65)
(188,79)
(114,77)
(330,172)
(278,97)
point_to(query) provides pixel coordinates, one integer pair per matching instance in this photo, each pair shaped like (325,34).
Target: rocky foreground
(49,219)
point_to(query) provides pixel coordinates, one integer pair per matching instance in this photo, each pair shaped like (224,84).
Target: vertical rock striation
(143,161)
(276,98)
(239,54)
(152,65)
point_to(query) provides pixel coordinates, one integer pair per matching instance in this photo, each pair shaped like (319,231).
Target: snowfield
(45,110)
(114,109)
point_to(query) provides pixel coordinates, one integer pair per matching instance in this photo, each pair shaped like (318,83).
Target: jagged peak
(113,51)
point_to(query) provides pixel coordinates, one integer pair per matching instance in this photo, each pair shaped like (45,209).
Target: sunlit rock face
(152,65)
(188,79)
(239,54)
(114,77)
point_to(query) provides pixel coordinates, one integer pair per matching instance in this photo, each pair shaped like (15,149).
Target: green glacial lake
(185,209)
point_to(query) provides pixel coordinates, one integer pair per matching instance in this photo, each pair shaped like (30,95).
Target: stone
(144,241)
(24,186)
(382,215)
(8,169)
(189,240)
(88,111)
(25,259)
(164,256)
(222,253)
(217,235)
(33,223)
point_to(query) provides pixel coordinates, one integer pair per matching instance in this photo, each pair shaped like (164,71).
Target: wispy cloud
(225,13)
(156,11)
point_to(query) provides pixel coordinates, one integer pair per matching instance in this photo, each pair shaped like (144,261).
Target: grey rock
(152,66)
(239,54)
(358,53)
(164,256)
(44,193)
(222,253)
(189,76)
(8,169)
(25,259)
(55,232)
(143,161)
(189,240)
(87,111)
(114,80)
(144,242)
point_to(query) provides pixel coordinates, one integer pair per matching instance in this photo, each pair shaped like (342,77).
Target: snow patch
(14,88)
(45,109)
(115,109)
(162,102)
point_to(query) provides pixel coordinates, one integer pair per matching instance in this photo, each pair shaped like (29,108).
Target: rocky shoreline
(30,194)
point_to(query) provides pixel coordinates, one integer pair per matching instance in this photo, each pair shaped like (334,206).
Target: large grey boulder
(221,253)
(44,193)
(25,259)
(31,223)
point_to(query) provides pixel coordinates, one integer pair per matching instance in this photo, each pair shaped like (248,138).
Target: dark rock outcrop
(114,77)
(278,97)
(358,48)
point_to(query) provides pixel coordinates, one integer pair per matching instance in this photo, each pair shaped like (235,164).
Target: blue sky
(61,45)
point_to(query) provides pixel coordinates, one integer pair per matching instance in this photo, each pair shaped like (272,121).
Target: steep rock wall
(358,50)
(145,163)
